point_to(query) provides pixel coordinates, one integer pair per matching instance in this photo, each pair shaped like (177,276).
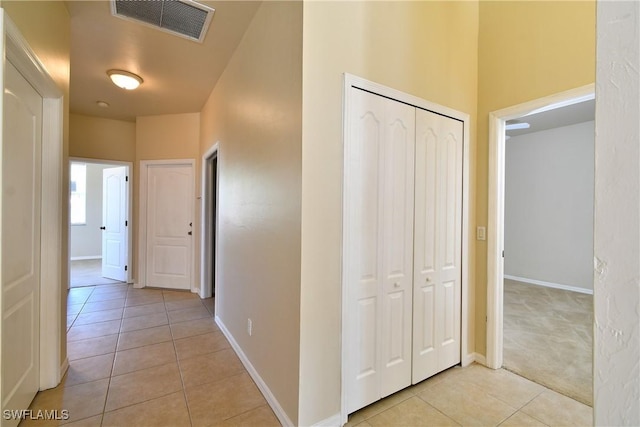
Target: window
(78,212)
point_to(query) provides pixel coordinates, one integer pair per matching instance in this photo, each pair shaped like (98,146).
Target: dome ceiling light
(125,79)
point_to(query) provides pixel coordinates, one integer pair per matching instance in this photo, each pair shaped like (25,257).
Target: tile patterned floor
(145,357)
(148,357)
(474,396)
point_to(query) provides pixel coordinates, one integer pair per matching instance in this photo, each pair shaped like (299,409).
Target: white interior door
(169,218)
(114,223)
(21,184)
(438,244)
(378,246)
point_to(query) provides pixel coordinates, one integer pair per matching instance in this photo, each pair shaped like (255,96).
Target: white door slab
(438,244)
(169,222)
(21,192)
(115,223)
(378,246)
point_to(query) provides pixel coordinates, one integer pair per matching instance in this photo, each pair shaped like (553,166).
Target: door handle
(103,228)
(190,233)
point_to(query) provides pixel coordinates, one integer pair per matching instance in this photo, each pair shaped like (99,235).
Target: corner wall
(254,112)
(527,50)
(617,216)
(426,49)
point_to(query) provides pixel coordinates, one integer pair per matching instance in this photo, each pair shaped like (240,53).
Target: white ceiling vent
(185,18)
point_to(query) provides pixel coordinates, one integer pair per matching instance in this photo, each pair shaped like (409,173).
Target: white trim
(332,421)
(205,232)
(549,284)
(467,340)
(129,172)
(478,358)
(142,218)
(16,49)
(264,389)
(495,226)
(85,258)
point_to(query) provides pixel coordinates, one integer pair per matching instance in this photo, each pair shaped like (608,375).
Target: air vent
(185,18)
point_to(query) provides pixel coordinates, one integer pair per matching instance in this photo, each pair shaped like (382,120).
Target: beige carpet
(548,338)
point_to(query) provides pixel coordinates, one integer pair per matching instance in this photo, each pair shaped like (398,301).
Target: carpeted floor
(88,273)
(548,338)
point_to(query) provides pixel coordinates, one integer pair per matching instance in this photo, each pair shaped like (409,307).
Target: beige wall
(526,50)
(170,136)
(255,113)
(427,49)
(98,138)
(46,27)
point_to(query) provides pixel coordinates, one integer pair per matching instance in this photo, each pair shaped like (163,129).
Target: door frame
(52,334)
(467,340)
(142,219)
(206,242)
(495,225)
(129,209)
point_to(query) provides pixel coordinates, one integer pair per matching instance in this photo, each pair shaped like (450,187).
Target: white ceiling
(179,74)
(564,116)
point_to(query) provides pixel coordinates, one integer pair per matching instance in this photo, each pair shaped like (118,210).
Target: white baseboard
(479,358)
(549,284)
(83,258)
(271,400)
(64,367)
(332,421)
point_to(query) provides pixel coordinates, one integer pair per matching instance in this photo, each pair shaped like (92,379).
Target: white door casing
(495,225)
(115,223)
(21,248)
(167,218)
(438,240)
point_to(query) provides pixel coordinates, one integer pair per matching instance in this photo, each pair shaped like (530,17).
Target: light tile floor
(146,357)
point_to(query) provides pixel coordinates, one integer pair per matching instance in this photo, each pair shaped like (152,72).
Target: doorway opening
(99,222)
(210,184)
(537,187)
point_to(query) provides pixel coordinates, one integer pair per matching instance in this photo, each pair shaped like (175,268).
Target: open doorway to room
(540,302)
(99,228)
(210,183)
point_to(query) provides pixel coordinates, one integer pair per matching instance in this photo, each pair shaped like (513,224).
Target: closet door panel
(397,226)
(364,174)
(437,249)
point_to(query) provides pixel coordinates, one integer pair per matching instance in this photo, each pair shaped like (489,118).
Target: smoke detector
(184,18)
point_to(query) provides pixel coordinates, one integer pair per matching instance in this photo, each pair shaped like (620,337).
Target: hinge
(502,254)
(126,178)
(126,223)
(126,267)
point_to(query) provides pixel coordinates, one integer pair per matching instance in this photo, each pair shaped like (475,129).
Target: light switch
(481,233)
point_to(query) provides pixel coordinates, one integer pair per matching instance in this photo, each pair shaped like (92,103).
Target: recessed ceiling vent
(185,18)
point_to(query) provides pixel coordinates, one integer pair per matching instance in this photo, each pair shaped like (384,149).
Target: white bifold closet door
(380,246)
(438,244)
(402,247)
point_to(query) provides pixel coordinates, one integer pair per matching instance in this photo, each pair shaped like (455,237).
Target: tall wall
(254,112)
(46,27)
(427,49)
(526,50)
(548,228)
(617,212)
(98,138)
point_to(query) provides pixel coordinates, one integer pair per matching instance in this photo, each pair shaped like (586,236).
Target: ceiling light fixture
(125,79)
(516,126)
(102,104)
